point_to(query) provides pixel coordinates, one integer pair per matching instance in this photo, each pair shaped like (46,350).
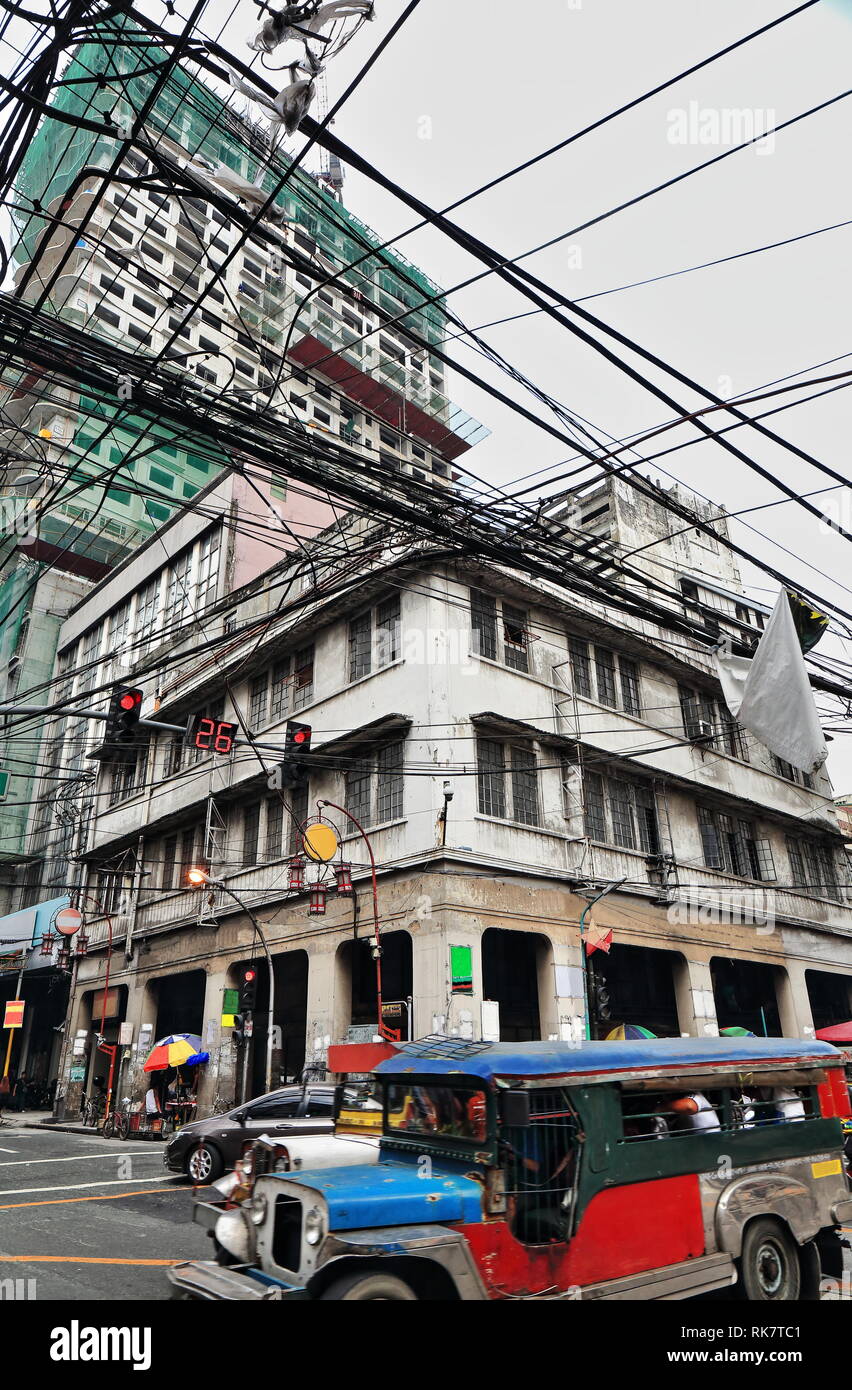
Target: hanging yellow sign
(320,842)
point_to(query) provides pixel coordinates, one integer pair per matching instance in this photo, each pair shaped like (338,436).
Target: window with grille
(699,713)
(389,783)
(258,700)
(388,631)
(187,851)
(358,795)
(790,773)
(732,846)
(581,667)
(813,868)
(621,812)
(280,687)
(515,637)
(128,778)
(170,865)
(146,613)
(297,817)
(274,847)
(303,677)
(483,620)
(605,676)
(360,642)
(173,755)
(628,673)
(525,808)
(491,778)
(251,834)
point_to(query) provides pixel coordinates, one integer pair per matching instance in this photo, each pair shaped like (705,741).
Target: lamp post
(391,1034)
(199,878)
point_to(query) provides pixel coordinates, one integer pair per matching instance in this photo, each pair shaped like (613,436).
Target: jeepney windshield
(437,1110)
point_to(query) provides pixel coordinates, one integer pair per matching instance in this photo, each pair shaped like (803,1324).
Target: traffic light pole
(584,962)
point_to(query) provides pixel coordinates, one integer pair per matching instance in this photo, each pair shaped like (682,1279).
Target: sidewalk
(42,1119)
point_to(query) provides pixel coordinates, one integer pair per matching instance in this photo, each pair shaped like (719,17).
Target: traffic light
(292,772)
(125,707)
(239,1028)
(297,739)
(248,989)
(601,996)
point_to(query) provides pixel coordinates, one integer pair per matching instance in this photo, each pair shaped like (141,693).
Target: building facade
(511,752)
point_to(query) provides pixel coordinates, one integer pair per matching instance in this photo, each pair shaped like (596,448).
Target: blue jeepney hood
(394,1192)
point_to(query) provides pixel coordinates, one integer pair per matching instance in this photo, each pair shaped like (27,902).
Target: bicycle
(117,1123)
(94,1109)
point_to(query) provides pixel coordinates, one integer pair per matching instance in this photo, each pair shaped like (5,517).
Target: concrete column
(566,987)
(141,1014)
(329,998)
(794,1005)
(78,1020)
(217,1081)
(696,1006)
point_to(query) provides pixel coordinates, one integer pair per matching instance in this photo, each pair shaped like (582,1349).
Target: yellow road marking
(80,1260)
(105,1197)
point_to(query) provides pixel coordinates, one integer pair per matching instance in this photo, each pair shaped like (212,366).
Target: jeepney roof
(491,1061)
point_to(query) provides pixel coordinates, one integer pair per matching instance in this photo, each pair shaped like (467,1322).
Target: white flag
(771,696)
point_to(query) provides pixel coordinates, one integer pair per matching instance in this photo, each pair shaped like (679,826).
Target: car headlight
(259,1208)
(314,1222)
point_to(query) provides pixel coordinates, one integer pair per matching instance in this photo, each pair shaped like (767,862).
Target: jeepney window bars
(664,1115)
(541,1166)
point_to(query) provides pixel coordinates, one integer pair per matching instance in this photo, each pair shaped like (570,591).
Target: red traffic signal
(248,989)
(125,707)
(297,738)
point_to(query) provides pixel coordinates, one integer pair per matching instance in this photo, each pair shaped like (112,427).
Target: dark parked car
(205,1148)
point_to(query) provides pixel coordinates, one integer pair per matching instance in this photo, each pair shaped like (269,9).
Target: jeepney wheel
(357,1288)
(204,1164)
(769,1264)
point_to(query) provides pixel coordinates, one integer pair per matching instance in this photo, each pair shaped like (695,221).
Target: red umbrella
(839,1033)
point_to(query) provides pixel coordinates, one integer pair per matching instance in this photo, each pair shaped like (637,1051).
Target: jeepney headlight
(314,1222)
(259,1208)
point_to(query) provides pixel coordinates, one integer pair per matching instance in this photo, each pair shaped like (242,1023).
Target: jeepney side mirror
(515,1109)
(240,1117)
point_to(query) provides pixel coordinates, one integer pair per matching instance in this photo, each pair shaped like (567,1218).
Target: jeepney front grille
(287,1233)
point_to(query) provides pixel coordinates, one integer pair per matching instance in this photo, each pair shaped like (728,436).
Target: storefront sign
(125,1034)
(78,1074)
(461,969)
(14,1016)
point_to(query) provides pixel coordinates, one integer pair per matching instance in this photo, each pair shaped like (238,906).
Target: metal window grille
(515,638)
(258,700)
(303,677)
(830,883)
(360,630)
(298,816)
(581,667)
(274,828)
(187,853)
(280,688)
(389,788)
(710,839)
(765,861)
(605,676)
(595,809)
(483,622)
(629,678)
(167,880)
(358,796)
(388,631)
(251,833)
(542,1169)
(173,755)
(647,822)
(797,865)
(621,814)
(525,808)
(491,780)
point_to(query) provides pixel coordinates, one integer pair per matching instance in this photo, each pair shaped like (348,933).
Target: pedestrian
(692,1112)
(21,1086)
(5,1088)
(153,1109)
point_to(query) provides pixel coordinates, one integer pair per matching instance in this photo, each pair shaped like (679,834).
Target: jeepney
(604,1170)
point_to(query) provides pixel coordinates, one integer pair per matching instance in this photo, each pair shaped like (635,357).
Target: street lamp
(199,878)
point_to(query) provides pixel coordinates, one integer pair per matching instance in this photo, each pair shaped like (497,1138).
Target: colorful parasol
(736,1033)
(626,1032)
(177,1050)
(837,1033)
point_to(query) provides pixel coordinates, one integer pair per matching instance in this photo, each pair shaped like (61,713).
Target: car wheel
(204,1164)
(358,1288)
(770,1268)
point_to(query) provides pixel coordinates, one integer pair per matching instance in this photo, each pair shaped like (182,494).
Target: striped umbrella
(177,1050)
(626,1032)
(736,1033)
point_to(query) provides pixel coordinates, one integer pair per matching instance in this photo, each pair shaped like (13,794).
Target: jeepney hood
(394,1192)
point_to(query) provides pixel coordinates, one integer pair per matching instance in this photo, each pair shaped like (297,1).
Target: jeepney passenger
(692,1112)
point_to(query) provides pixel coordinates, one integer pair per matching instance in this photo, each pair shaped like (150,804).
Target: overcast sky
(469,89)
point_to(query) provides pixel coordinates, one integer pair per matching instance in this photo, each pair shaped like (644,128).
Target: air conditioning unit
(705,729)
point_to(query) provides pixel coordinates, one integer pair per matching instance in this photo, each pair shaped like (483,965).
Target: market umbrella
(177,1050)
(838,1033)
(736,1033)
(626,1032)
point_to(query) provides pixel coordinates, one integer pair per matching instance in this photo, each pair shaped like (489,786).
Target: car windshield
(444,1110)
